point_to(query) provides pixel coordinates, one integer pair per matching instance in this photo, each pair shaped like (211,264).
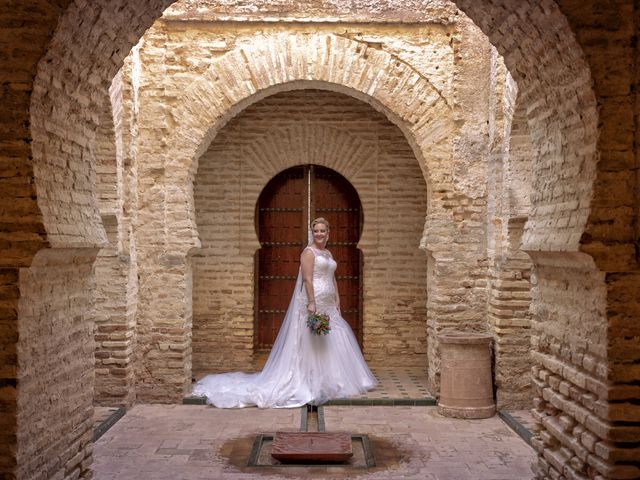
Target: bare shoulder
(307,253)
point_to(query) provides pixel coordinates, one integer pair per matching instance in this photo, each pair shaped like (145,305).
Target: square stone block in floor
(158,442)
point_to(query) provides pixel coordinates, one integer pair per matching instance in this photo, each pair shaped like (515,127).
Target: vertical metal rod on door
(308,219)
(312,194)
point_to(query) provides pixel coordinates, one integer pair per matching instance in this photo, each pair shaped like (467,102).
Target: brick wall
(55,405)
(509,295)
(114,296)
(23,232)
(569,337)
(114,324)
(61,109)
(586,385)
(10,288)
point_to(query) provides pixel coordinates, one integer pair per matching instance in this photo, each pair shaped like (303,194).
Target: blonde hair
(320,220)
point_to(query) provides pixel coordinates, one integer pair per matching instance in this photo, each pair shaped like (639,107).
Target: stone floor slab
(174,442)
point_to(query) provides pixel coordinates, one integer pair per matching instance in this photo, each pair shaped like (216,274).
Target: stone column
(164,321)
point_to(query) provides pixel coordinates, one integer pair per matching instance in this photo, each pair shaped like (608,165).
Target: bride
(302,367)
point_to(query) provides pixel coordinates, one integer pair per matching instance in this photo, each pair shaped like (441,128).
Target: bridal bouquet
(318,323)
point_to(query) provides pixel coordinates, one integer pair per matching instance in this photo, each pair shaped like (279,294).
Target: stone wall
(337,131)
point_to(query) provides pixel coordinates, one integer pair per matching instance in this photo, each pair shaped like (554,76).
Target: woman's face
(320,233)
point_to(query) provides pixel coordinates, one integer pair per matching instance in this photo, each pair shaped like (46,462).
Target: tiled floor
(104,418)
(433,447)
(158,442)
(398,386)
(400,382)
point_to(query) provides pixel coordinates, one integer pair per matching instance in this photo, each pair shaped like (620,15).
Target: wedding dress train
(302,367)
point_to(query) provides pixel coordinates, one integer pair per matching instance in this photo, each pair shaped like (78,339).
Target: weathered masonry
(493,147)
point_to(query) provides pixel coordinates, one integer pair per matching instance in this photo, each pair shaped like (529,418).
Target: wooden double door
(287,205)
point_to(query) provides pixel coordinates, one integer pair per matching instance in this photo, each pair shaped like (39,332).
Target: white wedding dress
(302,367)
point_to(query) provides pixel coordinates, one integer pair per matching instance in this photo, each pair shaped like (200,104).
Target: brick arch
(287,62)
(251,149)
(243,76)
(72,79)
(274,152)
(91,41)
(554,82)
(563,115)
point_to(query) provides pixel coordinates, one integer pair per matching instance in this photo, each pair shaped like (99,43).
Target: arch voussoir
(273,63)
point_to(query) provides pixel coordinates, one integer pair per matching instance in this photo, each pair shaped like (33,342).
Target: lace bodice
(324,267)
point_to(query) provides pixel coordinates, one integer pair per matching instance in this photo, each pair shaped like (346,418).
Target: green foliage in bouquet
(318,323)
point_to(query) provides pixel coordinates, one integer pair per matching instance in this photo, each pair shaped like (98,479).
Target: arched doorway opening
(285,208)
(365,148)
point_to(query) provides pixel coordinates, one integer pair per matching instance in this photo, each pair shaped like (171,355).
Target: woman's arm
(306,263)
(335,285)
